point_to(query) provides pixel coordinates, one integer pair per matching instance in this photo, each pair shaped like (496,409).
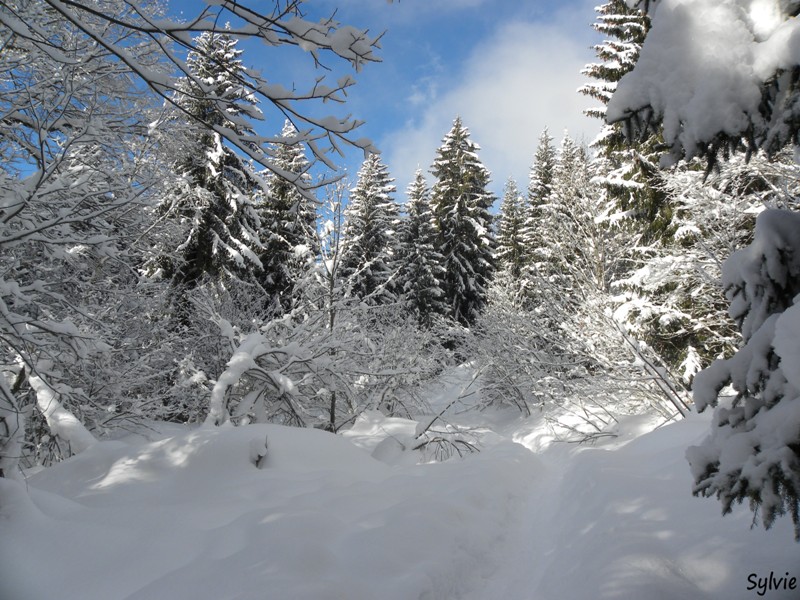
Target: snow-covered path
(190,516)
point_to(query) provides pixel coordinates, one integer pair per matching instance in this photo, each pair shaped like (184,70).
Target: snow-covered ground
(188,514)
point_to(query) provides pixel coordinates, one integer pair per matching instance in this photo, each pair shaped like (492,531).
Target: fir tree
(216,195)
(631,174)
(559,213)
(370,235)
(288,222)
(510,240)
(570,239)
(542,170)
(753,451)
(540,185)
(460,205)
(421,263)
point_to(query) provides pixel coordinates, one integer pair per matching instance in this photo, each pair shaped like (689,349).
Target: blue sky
(509,68)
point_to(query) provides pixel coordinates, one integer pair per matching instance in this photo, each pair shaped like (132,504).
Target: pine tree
(540,185)
(288,221)
(460,205)
(542,170)
(631,174)
(216,196)
(626,29)
(560,214)
(421,263)
(370,236)
(510,241)
(766,118)
(753,451)
(573,243)
(674,299)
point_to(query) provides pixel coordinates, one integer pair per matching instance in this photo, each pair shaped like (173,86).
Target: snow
(253,346)
(702,66)
(61,422)
(787,343)
(264,511)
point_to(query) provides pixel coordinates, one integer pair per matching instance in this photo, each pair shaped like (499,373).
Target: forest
(172,273)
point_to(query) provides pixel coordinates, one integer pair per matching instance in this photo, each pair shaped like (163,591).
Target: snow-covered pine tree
(511,252)
(460,204)
(561,217)
(369,255)
(753,451)
(674,298)
(215,197)
(630,173)
(540,179)
(576,245)
(421,267)
(288,223)
(697,45)
(540,183)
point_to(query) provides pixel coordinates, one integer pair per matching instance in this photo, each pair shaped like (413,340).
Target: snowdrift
(192,516)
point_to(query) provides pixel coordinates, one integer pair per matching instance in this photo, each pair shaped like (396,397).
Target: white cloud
(513,85)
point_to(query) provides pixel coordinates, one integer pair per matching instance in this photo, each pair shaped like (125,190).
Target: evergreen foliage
(674,300)
(511,251)
(767,119)
(631,174)
(421,263)
(542,170)
(560,214)
(753,452)
(540,185)
(369,256)
(215,198)
(288,223)
(460,204)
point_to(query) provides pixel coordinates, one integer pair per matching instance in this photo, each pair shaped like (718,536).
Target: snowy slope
(190,516)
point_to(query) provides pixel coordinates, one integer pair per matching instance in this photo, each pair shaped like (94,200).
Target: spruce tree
(511,250)
(216,193)
(460,205)
(631,174)
(370,234)
(542,170)
(570,239)
(540,185)
(551,228)
(288,220)
(421,263)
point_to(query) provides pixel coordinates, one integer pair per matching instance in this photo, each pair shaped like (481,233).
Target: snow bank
(191,517)
(619,521)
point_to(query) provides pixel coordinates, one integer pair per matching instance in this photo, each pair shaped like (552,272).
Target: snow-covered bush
(82,93)
(581,374)
(303,372)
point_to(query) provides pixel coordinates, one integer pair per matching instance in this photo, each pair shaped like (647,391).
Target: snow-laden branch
(61,422)
(172,38)
(715,75)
